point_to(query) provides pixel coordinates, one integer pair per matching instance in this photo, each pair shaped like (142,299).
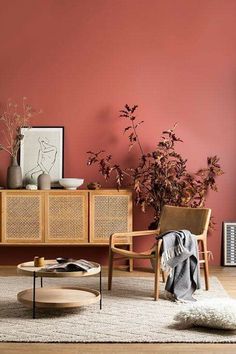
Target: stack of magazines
(71,266)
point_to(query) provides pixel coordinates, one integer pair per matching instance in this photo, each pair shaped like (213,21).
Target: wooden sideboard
(64,217)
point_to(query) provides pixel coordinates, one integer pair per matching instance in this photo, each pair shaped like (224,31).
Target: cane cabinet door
(66,215)
(110,212)
(22,217)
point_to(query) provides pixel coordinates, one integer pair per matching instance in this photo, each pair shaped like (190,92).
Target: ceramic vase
(14,175)
(44,181)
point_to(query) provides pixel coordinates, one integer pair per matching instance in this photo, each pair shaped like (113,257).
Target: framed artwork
(42,150)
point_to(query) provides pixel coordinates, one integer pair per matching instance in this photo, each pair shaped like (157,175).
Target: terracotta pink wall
(81,61)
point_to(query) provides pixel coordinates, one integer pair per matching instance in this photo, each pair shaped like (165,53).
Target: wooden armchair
(195,220)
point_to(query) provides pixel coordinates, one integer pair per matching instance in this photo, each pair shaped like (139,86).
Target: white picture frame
(42,150)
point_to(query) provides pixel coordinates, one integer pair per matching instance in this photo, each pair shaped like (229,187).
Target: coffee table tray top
(28,269)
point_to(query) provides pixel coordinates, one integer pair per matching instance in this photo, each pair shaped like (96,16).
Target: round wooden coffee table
(58,297)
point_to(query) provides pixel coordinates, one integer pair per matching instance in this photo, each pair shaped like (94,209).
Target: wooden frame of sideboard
(9,199)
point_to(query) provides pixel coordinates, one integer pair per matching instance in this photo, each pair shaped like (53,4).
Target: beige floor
(227,276)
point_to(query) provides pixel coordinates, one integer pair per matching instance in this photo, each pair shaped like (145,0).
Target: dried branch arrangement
(12,119)
(161,176)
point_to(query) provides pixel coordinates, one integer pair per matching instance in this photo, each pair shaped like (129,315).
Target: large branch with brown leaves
(161,176)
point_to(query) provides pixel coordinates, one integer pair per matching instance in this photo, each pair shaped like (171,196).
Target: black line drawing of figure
(46,159)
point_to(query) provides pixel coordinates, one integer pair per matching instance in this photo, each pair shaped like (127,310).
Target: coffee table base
(59,297)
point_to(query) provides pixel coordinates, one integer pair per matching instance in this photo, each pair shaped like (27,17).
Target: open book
(71,266)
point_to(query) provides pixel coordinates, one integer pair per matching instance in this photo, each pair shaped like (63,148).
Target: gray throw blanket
(180,260)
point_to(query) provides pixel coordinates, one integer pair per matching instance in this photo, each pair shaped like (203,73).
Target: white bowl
(71,183)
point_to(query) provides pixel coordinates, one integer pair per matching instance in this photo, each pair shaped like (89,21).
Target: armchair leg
(157,279)
(110,269)
(163,276)
(205,265)
(157,272)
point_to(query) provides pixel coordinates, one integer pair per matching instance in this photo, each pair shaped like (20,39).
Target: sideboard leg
(131,261)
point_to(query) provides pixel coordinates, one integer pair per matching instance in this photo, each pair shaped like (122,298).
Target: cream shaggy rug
(129,314)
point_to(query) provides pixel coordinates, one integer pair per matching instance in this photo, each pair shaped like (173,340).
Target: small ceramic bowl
(71,183)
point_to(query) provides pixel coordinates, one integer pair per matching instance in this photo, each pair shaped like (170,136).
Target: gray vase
(44,181)
(14,175)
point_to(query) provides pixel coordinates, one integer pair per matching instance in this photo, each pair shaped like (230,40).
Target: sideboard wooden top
(61,190)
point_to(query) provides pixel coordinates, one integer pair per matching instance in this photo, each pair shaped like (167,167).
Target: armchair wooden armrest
(121,237)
